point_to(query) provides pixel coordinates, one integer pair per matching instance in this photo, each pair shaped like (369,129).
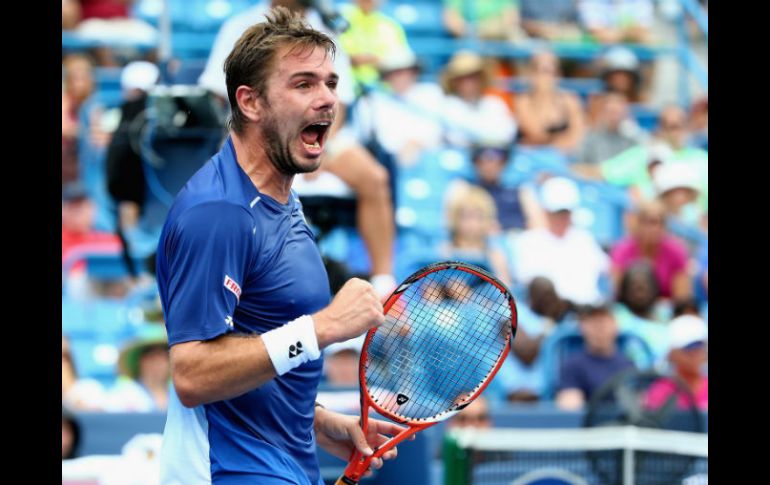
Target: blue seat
(109,266)
(74,321)
(100,318)
(96,358)
(645,116)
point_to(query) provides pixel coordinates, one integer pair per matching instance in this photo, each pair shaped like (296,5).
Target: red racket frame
(358,465)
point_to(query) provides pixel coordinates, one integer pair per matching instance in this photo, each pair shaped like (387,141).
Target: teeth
(314,145)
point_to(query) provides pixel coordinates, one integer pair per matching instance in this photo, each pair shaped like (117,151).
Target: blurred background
(560,144)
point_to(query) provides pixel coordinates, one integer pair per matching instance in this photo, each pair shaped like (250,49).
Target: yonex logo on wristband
(295,350)
(298,336)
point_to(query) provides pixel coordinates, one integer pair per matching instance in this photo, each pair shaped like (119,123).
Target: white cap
(558,194)
(139,75)
(400,59)
(355,344)
(685,330)
(620,58)
(671,176)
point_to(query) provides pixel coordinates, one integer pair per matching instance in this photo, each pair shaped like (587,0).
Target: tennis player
(243,287)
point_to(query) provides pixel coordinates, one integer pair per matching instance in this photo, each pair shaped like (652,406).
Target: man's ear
(249,103)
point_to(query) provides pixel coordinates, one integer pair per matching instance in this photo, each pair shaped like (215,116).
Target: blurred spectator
(70,434)
(515,205)
(78,393)
(545,302)
(145,373)
(521,377)
(79,238)
(339,389)
(615,131)
(78,85)
(546,114)
(621,73)
(483,19)
(701,278)
(125,174)
(637,310)
(649,240)
(476,415)
(553,20)
(70,14)
(635,167)
(617,21)
(370,37)
(568,256)
(472,221)
(688,355)
(106,21)
(699,123)
(588,369)
(678,190)
(473,115)
(344,156)
(341,362)
(414,104)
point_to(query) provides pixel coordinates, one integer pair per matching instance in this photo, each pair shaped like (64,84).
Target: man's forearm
(218,369)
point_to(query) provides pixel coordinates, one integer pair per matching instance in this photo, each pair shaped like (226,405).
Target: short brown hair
(252,57)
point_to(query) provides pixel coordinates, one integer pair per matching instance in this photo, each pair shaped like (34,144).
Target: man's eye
(303,85)
(332,85)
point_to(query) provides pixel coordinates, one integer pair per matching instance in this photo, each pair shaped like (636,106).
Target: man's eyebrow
(313,75)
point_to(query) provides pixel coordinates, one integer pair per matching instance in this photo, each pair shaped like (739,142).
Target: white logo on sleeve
(231,285)
(229,321)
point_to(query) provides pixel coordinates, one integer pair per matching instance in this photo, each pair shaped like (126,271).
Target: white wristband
(292,344)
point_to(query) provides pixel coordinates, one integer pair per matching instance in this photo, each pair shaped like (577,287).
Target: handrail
(688,62)
(698,14)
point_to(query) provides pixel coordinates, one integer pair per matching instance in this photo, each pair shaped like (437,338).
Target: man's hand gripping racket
(448,328)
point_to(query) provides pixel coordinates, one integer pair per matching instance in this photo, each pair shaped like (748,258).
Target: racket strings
(438,345)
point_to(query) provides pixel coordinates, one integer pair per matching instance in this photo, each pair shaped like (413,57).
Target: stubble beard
(279,151)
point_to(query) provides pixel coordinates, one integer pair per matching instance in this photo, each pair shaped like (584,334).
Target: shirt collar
(239,182)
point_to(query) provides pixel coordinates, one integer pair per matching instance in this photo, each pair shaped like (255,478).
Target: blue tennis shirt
(231,259)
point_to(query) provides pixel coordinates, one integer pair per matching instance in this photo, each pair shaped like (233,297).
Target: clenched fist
(355,309)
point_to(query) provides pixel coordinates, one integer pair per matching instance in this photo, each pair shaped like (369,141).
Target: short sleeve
(569,377)
(679,255)
(209,252)
(629,167)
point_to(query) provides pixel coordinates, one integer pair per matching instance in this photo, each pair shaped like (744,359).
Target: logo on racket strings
(295,350)
(401,399)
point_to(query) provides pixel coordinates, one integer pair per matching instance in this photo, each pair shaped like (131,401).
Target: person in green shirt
(635,167)
(372,36)
(485,19)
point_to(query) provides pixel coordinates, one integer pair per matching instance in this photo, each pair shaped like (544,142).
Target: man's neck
(252,158)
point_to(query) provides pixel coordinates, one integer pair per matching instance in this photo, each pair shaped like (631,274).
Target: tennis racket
(448,328)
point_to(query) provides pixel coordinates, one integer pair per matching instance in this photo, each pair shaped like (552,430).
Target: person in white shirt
(474,116)
(567,255)
(405,115)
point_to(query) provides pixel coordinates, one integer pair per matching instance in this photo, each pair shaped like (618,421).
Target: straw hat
(462,64)
(151,335)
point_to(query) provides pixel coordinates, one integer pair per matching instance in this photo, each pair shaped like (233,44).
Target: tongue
(309,136)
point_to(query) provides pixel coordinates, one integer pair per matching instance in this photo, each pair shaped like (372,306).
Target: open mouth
(314,135)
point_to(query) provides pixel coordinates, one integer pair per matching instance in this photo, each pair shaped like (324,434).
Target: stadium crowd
(493,160)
